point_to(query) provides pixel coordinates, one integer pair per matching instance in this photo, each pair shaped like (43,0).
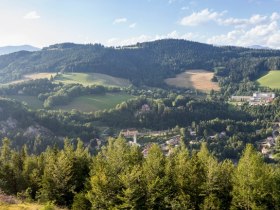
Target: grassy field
(197,79)
(88,103)
(97,102)
(92,79)
(271,80)
(31,77)
(81,78)
(32,101)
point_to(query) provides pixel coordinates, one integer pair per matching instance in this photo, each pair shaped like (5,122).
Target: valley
(129,111)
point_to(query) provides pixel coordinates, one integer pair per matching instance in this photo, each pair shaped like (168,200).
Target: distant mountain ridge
(11,49)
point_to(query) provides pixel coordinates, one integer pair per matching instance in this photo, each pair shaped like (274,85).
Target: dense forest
(119,177)
(145,63)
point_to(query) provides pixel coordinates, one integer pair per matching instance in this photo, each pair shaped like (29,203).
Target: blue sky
(122,22)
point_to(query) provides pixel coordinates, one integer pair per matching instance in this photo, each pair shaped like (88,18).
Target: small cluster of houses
(168,145)
(165,147)
(266,146)
(258,98)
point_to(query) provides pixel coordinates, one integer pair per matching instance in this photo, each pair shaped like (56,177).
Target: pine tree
(250,183)
(56,180)
(155,178)
(114,176)
(179,163)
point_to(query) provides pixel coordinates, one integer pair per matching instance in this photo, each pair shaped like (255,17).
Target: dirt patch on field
(39,76)
(29,77)
(197,79)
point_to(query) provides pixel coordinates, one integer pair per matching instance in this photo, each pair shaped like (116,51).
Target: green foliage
(80,202)
(121,178)
(48,206)
(113,177)
(251,182)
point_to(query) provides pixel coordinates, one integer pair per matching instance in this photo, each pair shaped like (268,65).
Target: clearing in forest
(93,103)
(271,79)
(197,79)
(87,79)
(88,103)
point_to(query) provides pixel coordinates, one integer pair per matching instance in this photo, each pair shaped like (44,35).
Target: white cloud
(133,25)
(120,20)
(204,16)
(32,15)
(267,34)
(243,22)
(274,16)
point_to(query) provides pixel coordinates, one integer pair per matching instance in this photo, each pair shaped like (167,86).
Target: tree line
(120,177)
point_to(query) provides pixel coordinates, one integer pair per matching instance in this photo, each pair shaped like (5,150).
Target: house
(129,132)
(241,98)
(174,141)
(145,108)
(258,98)
(264,96)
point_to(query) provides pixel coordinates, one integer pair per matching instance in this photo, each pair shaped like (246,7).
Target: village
(166,139)
(257,99)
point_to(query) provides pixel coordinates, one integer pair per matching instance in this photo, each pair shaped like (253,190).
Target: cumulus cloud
(32,15)
(203,16)
(120,20)
(256,29)
(266,34)
(238,22)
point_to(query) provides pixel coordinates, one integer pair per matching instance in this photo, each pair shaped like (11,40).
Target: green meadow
(87,79)
(87,103)
(92,103)
(271,79)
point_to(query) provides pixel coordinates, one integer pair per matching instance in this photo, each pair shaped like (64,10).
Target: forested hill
(144,63)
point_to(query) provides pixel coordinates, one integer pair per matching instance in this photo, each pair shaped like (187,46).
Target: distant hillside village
(258,98)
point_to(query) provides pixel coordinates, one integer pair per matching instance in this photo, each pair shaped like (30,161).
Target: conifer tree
(250,183)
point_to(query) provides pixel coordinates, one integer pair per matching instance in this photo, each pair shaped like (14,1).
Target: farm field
(91,79)
(31,77)
(95,102)
(31,101)
(271,79)
(88,103)
(197,79)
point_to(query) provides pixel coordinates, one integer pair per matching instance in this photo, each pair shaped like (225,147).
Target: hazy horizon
(111,23)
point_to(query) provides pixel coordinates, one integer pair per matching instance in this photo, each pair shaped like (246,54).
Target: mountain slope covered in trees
(143,64)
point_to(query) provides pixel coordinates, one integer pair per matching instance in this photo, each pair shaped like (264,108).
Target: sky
(123,22)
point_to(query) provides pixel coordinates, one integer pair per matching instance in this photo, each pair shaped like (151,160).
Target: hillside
(40,129)
(146,63)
